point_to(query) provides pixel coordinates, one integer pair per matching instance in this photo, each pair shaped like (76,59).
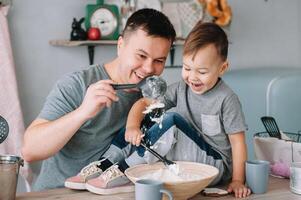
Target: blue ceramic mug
(257,175)
(147,189)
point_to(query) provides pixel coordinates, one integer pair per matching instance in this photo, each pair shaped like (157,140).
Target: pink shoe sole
(75,186)
(129,187)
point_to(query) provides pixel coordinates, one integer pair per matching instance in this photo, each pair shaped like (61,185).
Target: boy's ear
(224,67)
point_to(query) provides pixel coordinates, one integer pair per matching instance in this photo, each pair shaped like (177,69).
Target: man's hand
(133,135)
(98,95)
(239,189)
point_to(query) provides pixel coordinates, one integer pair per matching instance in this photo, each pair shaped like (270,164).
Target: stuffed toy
(220,10)
(280,168)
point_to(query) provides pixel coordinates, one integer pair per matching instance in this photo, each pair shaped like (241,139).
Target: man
(83,112)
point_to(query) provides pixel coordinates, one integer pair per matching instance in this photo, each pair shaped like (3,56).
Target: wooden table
(278,190)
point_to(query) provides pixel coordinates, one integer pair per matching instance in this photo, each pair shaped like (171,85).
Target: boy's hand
(133,135)
(239,189)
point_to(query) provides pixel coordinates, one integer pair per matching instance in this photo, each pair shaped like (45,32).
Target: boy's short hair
(153,22)
(204,34)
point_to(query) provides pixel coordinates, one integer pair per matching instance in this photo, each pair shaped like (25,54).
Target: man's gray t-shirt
(214,114)
(94,136)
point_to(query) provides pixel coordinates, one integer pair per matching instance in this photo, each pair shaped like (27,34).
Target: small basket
(295,137)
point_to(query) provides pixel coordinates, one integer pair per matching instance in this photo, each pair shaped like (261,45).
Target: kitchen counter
(278,189)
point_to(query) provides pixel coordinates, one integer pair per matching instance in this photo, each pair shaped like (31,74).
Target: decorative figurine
(78,33)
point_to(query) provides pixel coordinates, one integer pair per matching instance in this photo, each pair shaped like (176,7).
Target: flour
(158,112)
(158,120)
(166,175)
(174,168)
(155,105)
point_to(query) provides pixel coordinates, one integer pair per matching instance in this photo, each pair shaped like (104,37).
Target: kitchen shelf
(92,43)
(68,43)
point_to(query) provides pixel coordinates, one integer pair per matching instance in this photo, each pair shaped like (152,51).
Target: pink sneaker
(90,171)
(111,181)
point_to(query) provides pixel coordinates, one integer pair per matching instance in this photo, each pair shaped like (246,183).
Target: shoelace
(90,169)
(111,173)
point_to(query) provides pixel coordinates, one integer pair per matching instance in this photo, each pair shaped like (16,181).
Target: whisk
(165,161)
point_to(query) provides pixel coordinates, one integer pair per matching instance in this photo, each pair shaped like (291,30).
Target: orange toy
(220,10)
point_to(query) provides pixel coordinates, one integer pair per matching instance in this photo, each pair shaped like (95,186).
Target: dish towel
(10,108)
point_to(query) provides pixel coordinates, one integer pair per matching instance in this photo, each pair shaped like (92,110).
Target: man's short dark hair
(153,22)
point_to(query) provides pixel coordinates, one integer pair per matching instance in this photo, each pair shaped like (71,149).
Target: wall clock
(105,17)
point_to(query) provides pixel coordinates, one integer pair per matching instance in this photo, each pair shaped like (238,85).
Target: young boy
(208,126)
(209,122)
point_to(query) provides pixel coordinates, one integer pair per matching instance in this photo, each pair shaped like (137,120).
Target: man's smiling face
(141,55)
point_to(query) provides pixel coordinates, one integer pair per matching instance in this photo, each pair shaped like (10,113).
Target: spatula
(271,126)
(165,161)
(151,87)
(3,129)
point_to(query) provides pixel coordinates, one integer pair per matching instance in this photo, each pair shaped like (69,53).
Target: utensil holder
(9,171)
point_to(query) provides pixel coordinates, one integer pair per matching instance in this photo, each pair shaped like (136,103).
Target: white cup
(295,177)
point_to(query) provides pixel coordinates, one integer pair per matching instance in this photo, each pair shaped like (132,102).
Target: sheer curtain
(10,107)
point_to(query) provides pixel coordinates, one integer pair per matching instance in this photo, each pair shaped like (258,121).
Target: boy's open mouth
(196,86)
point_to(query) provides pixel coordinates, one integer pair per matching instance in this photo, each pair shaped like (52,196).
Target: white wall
(262,34)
